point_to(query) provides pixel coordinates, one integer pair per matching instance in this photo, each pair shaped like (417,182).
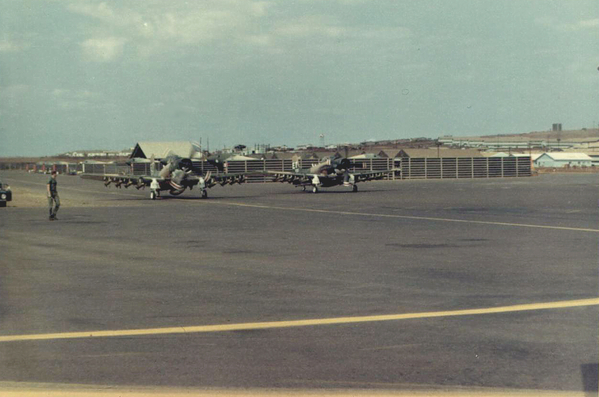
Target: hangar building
(558,160)
(161,150)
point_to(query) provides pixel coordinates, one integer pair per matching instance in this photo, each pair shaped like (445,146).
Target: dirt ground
(27,198)
(35,197)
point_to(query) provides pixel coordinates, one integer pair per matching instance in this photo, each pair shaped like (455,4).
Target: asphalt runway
(266,287)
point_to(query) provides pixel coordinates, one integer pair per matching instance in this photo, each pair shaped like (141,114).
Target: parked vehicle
(5,194)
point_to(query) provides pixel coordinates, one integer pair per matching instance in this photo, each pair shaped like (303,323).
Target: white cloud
(259,8)
(103,49)
(7,45)
(381,34)
(72,105)
(352,2)
(158,25)
(15,91)
(73,94)
(155,27)
(552,23)
(99,11)
(310,26)
(329,35)
(67,99)
(59,92)
(584,70)
(589,23)
(260,40)
(14,97)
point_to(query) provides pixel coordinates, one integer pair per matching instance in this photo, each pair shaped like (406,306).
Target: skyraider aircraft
(175,177)
(330,172)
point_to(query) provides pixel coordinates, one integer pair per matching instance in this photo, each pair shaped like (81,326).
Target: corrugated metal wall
(405,168)
(471,167)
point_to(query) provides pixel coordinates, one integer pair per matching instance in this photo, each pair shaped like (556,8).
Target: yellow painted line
(116,391)
(422,218)
(24,389)
(300,323)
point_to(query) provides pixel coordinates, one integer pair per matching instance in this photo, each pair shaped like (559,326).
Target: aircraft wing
(370,175)
(118,180)
(292,176)
(223,179)
(304,177)
(140,181)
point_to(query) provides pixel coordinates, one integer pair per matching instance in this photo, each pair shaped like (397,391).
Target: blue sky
(107,74)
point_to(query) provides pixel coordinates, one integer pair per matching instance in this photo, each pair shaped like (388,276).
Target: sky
(84,75)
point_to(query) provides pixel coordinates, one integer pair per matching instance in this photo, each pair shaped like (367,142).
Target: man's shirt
(52,182)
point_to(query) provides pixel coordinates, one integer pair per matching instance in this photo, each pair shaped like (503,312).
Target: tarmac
(444,287)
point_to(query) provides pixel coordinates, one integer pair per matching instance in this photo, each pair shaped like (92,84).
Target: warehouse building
(560,160)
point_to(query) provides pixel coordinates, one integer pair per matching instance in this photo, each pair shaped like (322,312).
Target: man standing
(155,189)
(53,199)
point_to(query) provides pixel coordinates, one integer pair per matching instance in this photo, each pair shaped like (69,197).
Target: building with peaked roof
(241,157)
(563,159)
(279,155)
(504,154)
(366,156)
(162,150)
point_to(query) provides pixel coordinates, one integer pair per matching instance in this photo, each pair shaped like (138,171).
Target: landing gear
(354,188)
(204,194)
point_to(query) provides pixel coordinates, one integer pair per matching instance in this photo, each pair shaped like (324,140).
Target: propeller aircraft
(176,176)
(330,172)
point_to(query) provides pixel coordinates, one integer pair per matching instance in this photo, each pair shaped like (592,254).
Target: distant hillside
(569,135)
